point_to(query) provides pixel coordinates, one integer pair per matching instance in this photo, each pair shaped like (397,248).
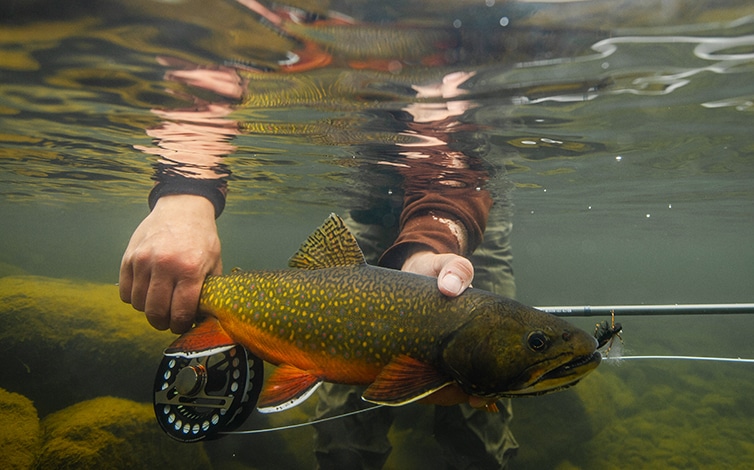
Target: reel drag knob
(198,397)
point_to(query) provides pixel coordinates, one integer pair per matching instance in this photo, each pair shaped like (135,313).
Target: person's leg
(354,442)
(475,439)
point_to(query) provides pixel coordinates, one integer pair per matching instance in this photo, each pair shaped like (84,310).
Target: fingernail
(452,283)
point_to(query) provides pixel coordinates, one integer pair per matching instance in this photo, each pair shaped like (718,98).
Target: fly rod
(650,310)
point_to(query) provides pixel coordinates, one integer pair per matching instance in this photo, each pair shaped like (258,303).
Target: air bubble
(205,425)
(171,418)
(215,419)
(178,425)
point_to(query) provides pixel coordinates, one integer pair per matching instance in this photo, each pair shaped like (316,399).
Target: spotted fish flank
(340,320)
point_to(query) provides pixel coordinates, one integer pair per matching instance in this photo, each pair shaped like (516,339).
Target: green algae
(21,439)
(66,341)
(110,432)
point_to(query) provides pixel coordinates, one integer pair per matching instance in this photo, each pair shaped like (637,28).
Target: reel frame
(198,397)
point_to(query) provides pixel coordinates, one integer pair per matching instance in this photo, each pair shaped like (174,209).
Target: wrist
(198,206)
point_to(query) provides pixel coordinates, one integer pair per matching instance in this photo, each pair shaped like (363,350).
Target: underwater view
(601,152)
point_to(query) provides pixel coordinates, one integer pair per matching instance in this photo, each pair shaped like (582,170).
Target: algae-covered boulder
(110,432)
(20,435)
(64,341)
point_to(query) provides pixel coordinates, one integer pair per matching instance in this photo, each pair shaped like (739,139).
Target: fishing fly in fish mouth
(337,319)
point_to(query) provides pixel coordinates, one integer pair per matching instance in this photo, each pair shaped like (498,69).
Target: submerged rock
(110,432)
(20,437)
(65,341)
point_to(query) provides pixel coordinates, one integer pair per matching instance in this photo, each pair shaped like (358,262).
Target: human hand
(170,253)
(454,273)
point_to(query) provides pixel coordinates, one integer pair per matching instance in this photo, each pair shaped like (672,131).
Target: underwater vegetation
(79,366)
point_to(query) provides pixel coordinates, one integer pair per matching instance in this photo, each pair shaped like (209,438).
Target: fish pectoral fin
(288,386)
(205,339)
(405,380)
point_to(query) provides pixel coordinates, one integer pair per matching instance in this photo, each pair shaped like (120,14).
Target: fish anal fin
(405,380)
(288,386)
(331,245)
(205,339)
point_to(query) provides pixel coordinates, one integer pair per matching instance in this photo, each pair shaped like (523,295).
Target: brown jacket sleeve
(445,207)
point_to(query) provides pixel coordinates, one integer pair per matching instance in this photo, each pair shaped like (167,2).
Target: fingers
(159,295)
(125,281)
(184,305)
(455,274)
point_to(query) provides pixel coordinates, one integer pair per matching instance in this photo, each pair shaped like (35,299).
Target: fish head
(508,349)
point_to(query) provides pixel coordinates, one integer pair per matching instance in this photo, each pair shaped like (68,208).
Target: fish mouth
(561,377)
(575,368)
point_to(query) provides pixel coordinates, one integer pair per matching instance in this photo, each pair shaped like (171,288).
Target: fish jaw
(510,350)
(561,377)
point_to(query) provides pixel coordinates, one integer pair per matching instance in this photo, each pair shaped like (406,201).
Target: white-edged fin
(195,354)
(206,338)
(290,404)
(405,380)
(331,245)
(285,388)
(407,400)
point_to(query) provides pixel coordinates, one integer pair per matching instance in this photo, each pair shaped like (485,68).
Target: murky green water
(619,132)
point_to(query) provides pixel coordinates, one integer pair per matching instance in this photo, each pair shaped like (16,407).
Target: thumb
(455,275)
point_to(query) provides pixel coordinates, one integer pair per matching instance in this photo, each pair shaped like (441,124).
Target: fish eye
(538,341)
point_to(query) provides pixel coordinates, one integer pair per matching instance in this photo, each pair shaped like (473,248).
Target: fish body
(337,319)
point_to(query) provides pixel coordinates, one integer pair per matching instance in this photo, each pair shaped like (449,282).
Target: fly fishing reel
(197,397)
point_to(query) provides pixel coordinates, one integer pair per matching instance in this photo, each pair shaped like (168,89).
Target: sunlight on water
(616,134)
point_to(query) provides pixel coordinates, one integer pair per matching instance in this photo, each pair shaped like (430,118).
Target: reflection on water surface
(623,129)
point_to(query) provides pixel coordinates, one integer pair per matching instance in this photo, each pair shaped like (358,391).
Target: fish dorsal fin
(405,380)
(331,245)
(205,339)
(287,387)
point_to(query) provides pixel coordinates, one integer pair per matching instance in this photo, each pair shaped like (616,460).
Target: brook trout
(337,319)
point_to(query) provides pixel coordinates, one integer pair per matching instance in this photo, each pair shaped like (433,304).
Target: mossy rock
(110,432)
(10,270)
(65,341)
(20,437)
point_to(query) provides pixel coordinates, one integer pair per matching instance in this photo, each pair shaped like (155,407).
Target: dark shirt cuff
(213,190)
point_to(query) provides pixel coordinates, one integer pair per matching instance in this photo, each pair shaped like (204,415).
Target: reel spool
(196,398)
